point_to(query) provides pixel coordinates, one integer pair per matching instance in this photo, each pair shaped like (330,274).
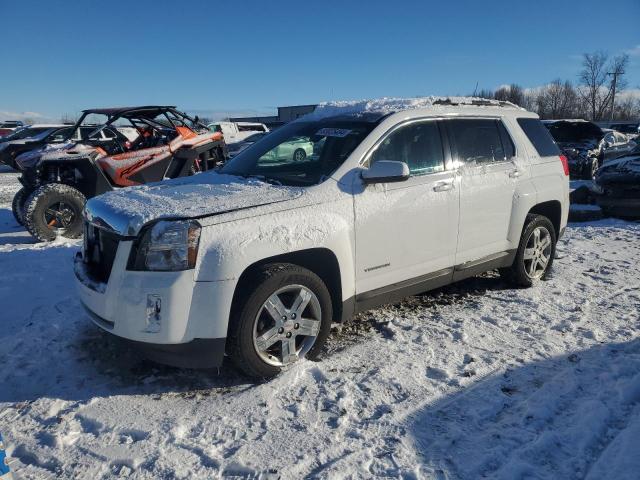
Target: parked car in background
(616,144)
(59,177)
(236,148)
(618,186)
(8,126)
(586,145)
(256,261)
(29,138)
(296,149)
(235,132)
(628,128)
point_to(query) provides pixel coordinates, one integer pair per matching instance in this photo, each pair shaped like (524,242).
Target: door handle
(514,173)
(442,186)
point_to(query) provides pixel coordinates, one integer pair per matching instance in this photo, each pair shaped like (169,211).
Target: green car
(297,149)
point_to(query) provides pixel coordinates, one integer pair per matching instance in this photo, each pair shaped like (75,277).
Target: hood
(126,211)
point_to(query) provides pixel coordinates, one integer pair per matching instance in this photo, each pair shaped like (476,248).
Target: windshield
(27,132)
(300,153)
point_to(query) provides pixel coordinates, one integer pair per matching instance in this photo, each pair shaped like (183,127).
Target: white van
(235,132)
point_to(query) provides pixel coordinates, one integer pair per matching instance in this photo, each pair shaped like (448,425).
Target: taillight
(565,164)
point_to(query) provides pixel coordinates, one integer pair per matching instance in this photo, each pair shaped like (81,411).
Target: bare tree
(627,109)
(511,93)
(557,100)
(597,90)
(485,93)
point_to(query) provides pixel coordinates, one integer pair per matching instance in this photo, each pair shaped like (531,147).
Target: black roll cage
(135,114)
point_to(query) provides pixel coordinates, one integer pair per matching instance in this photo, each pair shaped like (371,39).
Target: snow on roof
(387,105)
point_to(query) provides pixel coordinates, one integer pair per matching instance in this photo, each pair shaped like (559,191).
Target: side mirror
(385,171)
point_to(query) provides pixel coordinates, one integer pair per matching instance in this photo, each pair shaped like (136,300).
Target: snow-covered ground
(472,381)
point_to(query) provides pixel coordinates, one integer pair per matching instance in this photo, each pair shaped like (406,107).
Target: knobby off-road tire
(54,210)
(534,257)
(17,205)
(262,336)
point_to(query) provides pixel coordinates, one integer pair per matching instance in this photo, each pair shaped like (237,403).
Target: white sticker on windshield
(333,132)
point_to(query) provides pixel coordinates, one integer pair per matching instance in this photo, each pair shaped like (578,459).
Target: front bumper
(177,320)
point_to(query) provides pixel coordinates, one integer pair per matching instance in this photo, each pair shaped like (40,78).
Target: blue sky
(223,57)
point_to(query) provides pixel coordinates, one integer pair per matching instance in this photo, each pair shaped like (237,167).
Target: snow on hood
(126,211)
(387,105)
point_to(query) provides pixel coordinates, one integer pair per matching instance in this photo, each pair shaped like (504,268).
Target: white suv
(256,261)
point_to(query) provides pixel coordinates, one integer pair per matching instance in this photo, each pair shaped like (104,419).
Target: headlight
(167,246)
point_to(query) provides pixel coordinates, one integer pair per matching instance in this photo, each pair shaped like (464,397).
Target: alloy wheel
(59,215)
(299,155)
(287,325)
(537,253)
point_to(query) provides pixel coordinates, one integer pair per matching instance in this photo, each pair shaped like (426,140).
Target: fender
(524,199)
(232,247)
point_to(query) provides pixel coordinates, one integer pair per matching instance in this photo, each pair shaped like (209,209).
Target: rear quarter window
(539,136)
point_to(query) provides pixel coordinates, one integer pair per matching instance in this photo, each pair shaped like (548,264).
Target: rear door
(485,158)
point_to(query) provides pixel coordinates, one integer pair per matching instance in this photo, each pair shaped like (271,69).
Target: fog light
(154,309)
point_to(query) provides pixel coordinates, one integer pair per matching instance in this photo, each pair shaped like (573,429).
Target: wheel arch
(552,209)
(321,261)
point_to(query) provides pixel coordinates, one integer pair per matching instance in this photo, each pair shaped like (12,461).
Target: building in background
(285,115)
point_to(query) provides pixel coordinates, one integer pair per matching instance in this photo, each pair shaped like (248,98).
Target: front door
(405,230)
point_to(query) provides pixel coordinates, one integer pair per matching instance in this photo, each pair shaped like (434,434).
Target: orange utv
(111,148)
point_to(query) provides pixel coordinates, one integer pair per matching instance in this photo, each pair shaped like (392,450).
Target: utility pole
(615,75)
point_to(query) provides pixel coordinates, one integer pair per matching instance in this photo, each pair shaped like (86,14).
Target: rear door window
(477,141)
(539,136)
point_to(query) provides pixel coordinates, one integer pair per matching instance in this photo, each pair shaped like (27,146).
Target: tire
(63,200)
(251,321)
(521,273)
(299,155)
(17,205)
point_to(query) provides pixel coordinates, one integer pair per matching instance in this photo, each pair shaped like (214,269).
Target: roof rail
(477,102)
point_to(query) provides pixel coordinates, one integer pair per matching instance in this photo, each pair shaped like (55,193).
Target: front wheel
(54,210)
(535,253)
(285,318)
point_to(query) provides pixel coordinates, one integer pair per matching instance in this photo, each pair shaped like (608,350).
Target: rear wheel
(285,318)
(535,253)
(54,210)
(17,205)
(299,155)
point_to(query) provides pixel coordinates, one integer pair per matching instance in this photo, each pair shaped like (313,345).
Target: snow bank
(388,105)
